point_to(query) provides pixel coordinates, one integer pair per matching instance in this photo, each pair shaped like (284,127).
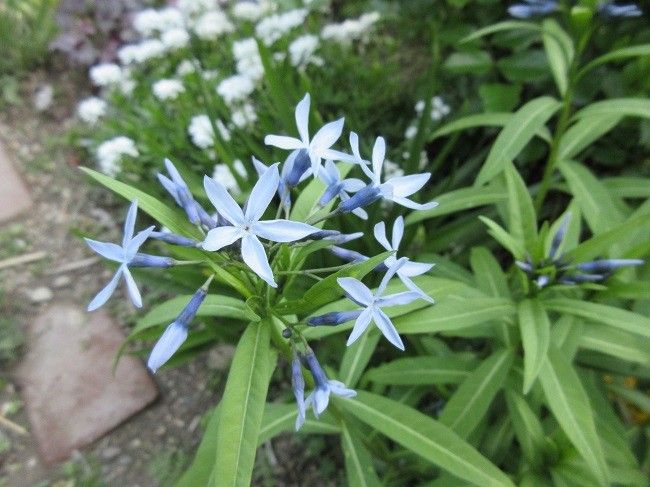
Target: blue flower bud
(331,192)
(334,318)
(524,266)
(532,8)
(610,10)
(345,237)
(578,278)
(320,379)
(298,386)
(189,312)
(607,265)
(362,198)
(347,255)
(323,234)
(146,260)
(542,281)
(167,345)
(188,204)
(174,239)
(298,162)
(559,236)
(205,218)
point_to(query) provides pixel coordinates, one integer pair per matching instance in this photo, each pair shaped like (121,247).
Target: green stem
(317,270)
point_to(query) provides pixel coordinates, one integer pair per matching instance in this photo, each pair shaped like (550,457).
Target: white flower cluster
(247,58)
(149,21)
(106,74)
(141,52)
(252,11)
(213,24)
(91,109)
(439,109)
(202,134)
(235,88)
(274,27)
(350,29)
(167,89)
(110,153)
(223,175)
(302,49)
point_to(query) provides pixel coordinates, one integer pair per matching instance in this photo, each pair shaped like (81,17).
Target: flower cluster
(249,241)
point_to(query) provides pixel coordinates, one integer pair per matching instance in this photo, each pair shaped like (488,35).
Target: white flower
(251,10)
(191,8)
(247,57)
(170,18)
(128,53)
(235,88)
(301,50)
(243,116)
(350,29)
(392,169)
(147,21)
(176,38)
(185,67)
(105,74)
(202,134)
(410,132)
(167,89)
(91,109)
(223,175)
(272,28)
(439,109)
(110,152)
(138,53)
(213,24)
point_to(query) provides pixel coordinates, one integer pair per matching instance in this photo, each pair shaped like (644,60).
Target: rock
(220,356)
(14,197)
(43,97)
(61,281)
(110,452)
(41,294)
(135,443)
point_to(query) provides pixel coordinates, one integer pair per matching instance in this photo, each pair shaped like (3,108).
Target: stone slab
(14,197)
(66,380)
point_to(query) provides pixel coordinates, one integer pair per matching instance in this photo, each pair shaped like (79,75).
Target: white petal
(252,251)
(360,326)
(354,145)
(137,241)
(407,185)
(386,327)
(282,230)
(284,142)
(398,232)
(103,295)
(132,288)
(380,235)
(302,118)
(108,250)
(129,223)
(331,173)
(412,204)
(353,185)
(414,288)
(326,136)
(412,269)
(361,213)
(389,275)
(220,237)
(262,194)
(174,174)
(167,345)
(260,167)
(357,290)
(321,400)
(337,155)
(223,202)
(338,388)
(378,155)
(398,299)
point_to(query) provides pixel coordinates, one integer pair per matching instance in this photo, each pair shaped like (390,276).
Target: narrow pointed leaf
(583,133)
(356,358)
(617,343)
(528,429)
(623,107)
(422,371)
(358,461)
(559,52)
(522,220)
(535,329)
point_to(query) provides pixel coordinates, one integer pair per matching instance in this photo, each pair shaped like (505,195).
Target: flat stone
(40,294)
(14,197)
(67,383)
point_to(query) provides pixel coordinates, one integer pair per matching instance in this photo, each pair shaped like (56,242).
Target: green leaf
(511,244)
(358,461)
(281,418)
(569,404)
(500,27)
(242,407)
(622,107)
(522,220)
(559,51)
(454,314)
(616,343)
(172,219)
(422,371)
(458,200)
(584,132)
(616,55)
(628,187)
(468,62)
(488,274)
(535,329)
(471,401)
(600,313)
(636,397)
(516,134)
(528,430)
(425,437)
(498,97)
(493,119)
(356,357)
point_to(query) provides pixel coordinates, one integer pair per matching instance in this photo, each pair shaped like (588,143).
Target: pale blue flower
(294,170)
(320,397)
(361,295)
(396,189)
(298,386)
(176,333)
(335,186)
(124,255)
(246,225)
(610,9)
(318,147)
(408,269)
(531,8)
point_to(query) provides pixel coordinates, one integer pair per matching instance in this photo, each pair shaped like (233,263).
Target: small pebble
(62,281)
(40,294)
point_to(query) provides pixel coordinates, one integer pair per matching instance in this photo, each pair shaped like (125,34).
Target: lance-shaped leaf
(516,134)
(617,343)
(535,329)
(358,461)
(426,437)
(569,403)
(522,220)
(623,107)
(423,371)
(582,133)
(281,418)
(242,407)
(528,429)
(356,357)
(615,55)
(471,401)
(559,52)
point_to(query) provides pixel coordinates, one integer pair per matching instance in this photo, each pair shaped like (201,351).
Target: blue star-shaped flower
(338,187)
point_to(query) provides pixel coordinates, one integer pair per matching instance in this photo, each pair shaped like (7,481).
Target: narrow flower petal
(167,345)
(398,232)
(223,202)
(414,288)
(407,185)
(360,326)
(558,238)
(129,223)
(338,389)
(380,235)
(356,290)
(412,269)
(174,174)
(389,275)
(398,299)
(107,250)
(327,136)
(252,252)
(220,237)
(412,204)
(103,295)
(284,142)
(132,288)
(378,155)
(136,242)
(262,194)
(169,185)
(282,230)
(298,386)
(302,118)
(321,400)
(387,328)
(353,185)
